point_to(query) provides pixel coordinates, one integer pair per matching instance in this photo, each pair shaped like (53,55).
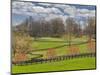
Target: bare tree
(90,29)
(57,27)
(70,28)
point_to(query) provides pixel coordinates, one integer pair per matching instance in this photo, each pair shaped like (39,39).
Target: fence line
(58,47)
(54,59)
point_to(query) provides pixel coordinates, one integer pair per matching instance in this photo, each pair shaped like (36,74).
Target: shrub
(21,45)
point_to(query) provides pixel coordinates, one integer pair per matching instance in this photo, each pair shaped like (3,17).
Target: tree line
(56,27)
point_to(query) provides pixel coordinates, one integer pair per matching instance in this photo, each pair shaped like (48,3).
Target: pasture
(43,45)
(74,64)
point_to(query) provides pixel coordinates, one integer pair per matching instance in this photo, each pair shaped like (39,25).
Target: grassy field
(44,43)
(61,51)
(74,64)
(49,42)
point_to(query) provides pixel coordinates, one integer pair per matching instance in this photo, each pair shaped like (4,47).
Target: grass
(83,48)
(42,45)
(74,64)
(48,42)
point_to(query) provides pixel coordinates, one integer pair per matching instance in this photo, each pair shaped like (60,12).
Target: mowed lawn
(73,64)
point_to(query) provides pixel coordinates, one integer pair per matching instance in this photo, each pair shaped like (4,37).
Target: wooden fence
(54,59)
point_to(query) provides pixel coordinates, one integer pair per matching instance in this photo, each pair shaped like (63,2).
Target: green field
(49,42)
(43,43)
(73,64)
(63,50)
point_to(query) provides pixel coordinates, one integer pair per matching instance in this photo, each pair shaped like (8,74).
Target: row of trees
(56,27)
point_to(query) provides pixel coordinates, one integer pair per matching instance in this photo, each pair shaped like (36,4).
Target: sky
(38,10)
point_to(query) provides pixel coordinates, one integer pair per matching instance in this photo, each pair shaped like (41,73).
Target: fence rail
(54,59)
(58,46)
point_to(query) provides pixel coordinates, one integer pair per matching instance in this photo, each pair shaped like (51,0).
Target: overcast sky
(22,10)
